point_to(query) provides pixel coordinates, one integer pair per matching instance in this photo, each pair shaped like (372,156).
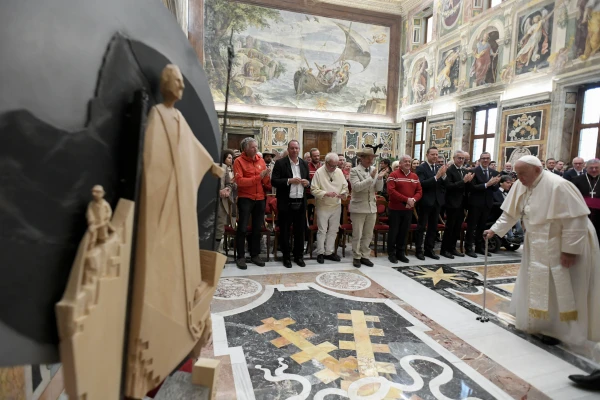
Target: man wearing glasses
(457,179)
(329,186)
(480,204)
(577,170)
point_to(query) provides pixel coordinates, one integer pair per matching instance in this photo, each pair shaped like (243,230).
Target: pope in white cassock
(557,292)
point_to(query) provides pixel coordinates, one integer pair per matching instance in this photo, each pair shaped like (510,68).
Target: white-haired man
(329,186)
(557,293)
(577,170)
(365,183)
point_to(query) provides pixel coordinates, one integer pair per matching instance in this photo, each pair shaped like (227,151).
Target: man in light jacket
(329,187)
(365,182)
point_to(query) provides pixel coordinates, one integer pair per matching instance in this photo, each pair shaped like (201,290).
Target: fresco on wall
(524,126)
(484,68)
(440,136)
(534,39)
(296,60)
(513,154)
(448,70)
(587,38)
(418,82)
(450,14)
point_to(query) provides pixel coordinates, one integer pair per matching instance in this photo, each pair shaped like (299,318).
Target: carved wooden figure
(91,314)
(174,280)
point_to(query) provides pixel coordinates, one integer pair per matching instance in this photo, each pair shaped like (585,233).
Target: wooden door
(320,140)
(234,140)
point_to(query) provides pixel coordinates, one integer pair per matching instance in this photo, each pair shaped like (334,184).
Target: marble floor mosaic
(331,331)
(462,283)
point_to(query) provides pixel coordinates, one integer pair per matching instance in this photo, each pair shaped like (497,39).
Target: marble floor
(332,331)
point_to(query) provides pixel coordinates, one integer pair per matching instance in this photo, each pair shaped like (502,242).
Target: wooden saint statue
(174,280)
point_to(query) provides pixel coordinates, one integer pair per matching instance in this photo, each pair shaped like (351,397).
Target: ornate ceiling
(396,7)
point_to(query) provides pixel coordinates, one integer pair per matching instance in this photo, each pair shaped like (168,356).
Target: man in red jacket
(404,190)
(251,174)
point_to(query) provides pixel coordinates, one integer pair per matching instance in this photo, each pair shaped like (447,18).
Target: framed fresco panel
(448,71)
(534,38)
(512,154)
(440,136)
(525,124)
(292,57)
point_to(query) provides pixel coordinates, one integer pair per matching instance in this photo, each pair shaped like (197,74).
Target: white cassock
(560,302)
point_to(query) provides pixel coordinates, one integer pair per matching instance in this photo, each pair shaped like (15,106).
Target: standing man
(557,293)
(433,182)
(559,169)
(480,203)
(551,165)
(404,190)
(290,177)
(363,205)
(589,188)
(457,179)
(314,164)
(578,164)
(329,187)
(251,174)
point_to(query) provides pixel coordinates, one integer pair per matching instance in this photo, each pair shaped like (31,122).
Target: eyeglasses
(484,158)
(460,158)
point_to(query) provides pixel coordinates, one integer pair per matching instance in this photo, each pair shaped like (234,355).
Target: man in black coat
(577,170)
(480,204)
(457,179)
(589,186)
(290,177)
(433,183)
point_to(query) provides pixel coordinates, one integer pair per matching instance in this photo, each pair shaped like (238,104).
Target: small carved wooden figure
(98,217)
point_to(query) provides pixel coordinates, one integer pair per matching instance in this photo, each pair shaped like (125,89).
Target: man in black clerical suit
(480,203)
(433,183)
(456,181)
(589,186)
(290,177)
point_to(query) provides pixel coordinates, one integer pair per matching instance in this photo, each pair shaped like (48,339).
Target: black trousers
(478,216)
(254,210)
(454,221)
(287,219)
(428,217)
(399,222)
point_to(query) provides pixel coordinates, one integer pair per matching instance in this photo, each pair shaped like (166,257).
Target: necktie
(487,177)
(433,168)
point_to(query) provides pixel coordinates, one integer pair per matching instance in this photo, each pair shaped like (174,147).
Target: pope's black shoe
(591,381)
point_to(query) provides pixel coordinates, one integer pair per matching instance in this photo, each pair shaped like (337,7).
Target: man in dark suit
(590,190)
(480,203)
(433,183)
(456,181)
(290,177)
(577,169)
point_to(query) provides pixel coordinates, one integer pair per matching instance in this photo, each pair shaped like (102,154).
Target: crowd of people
(443,199)
(559,210)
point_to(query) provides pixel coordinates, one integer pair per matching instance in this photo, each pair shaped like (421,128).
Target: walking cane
(483,317)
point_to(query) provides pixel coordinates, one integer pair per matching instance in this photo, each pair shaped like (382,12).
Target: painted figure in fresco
(419,82)
(535,33)
(445,78)
(450,10)
(485,58)
(590,21)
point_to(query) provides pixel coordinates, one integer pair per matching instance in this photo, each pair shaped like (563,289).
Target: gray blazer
(227,183)
(364,189)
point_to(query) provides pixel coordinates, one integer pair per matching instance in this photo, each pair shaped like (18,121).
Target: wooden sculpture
(91,314)
(174,280)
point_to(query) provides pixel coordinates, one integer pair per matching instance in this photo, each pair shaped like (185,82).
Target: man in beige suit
(365,183)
